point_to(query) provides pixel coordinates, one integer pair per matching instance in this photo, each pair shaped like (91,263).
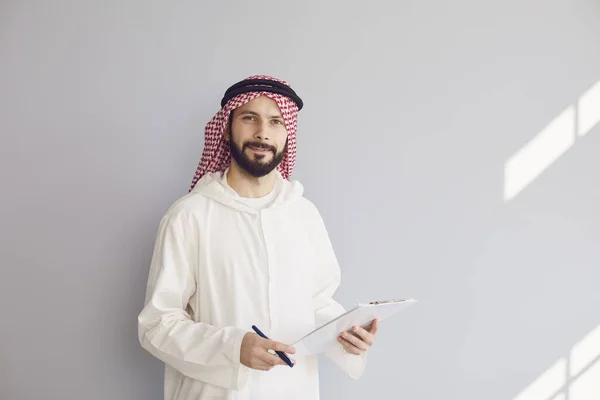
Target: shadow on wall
(576,376)
(552,142)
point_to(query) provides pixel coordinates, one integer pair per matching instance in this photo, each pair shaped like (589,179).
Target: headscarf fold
(216,155)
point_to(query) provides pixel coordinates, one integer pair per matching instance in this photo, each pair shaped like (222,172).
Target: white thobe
(220,266)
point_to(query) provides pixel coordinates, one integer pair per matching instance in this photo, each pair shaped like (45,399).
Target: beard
(256,165)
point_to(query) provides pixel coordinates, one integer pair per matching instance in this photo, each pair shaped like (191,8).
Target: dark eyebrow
(256,114)
(249,112)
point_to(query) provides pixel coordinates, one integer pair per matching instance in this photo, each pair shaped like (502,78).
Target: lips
(258,148)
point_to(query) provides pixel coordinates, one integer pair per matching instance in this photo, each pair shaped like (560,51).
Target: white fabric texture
(219,266)
(255,202)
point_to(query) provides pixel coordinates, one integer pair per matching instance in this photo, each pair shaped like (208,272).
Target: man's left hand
(359,339)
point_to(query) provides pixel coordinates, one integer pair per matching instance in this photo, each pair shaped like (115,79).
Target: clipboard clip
(387,301)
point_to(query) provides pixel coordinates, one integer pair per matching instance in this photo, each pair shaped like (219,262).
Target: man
(243,248)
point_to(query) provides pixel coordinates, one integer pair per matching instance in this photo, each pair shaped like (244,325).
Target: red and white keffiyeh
(217,156)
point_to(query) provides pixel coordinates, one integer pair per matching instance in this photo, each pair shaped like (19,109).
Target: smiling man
(262,156)
(244,247)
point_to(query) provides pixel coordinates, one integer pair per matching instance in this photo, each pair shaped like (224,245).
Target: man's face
(257,136)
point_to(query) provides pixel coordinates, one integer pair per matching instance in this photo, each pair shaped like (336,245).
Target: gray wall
(414,110)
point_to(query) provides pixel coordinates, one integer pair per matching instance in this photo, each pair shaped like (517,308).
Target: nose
(262,131)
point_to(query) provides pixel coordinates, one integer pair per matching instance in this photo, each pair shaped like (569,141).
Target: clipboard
(324,337)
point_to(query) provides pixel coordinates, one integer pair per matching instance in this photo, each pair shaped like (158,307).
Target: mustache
(262,146)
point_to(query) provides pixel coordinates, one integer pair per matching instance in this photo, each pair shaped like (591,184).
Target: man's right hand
(255,352)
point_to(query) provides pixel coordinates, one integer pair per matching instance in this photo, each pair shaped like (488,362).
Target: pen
(281,354)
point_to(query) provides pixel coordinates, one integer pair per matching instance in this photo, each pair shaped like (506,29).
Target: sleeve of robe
(196,349)
(327,278)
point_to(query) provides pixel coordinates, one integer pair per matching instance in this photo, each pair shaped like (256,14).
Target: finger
(264,367)
(273,345)
(261,365)
(362,333)
(374,327)
(280,361)
(273,359)
(349,347)
(355,341)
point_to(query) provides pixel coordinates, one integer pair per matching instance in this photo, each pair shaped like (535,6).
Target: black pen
(281,354)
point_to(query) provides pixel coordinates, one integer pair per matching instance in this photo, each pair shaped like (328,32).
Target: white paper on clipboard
(325,337)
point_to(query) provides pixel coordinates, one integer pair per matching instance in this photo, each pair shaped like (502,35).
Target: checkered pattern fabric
(217,156)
